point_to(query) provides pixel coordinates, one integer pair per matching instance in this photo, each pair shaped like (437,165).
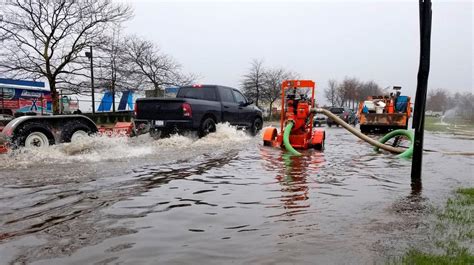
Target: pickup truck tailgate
(160,109)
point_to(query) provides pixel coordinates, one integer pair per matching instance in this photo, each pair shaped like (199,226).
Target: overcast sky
(370,40)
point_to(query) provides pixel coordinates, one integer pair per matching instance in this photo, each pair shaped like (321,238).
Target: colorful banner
(25,100)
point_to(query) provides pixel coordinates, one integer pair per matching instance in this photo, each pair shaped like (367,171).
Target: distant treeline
(350,91)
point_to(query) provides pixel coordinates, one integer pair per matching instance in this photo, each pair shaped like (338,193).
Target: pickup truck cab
(198,108)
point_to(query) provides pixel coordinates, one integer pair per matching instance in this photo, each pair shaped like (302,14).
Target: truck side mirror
(249,102)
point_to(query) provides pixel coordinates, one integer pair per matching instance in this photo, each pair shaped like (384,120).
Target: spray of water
(103,148)
(448,115)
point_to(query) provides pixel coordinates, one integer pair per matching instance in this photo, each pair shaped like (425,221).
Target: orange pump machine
(296,116)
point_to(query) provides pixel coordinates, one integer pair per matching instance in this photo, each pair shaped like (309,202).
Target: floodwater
(221,199)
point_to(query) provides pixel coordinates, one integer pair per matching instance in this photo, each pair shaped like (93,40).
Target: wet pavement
(220,199)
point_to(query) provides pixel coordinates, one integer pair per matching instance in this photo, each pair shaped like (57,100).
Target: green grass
(454,230)
(420,258)
(434,124)
(469,192)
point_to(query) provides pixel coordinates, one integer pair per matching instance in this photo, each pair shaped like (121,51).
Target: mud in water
(219,199)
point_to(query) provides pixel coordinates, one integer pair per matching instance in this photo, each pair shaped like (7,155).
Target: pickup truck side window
(209,93)
(239,97)
(226,95)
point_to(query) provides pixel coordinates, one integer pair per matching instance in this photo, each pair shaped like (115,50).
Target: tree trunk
(54,96)
(113,98)
(271,110)
(257,96)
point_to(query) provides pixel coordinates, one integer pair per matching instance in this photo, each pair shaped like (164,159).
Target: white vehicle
(433,113)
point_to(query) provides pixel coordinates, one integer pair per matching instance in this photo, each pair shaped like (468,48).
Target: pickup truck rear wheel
(256,126)
(155,134)
(208,125)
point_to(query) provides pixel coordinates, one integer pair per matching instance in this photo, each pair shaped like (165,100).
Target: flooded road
(220,199)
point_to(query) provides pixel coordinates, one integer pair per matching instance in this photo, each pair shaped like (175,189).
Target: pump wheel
(317,140)
(269,135)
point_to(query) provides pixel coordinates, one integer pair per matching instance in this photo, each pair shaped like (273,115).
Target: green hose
(286,139)
(409,152)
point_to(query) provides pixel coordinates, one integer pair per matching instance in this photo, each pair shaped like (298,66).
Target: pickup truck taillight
(135,110)
(187,111)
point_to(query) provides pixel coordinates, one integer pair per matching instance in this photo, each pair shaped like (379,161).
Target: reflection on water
(293,173)
(220,199)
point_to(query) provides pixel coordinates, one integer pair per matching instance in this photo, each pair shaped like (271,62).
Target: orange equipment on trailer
(297,117)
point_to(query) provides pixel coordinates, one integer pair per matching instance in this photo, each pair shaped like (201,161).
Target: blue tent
(106,102)
(126,99)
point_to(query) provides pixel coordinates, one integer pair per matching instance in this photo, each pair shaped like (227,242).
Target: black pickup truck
(198,108)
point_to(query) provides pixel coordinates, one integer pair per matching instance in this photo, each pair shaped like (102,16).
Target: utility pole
(90,56)
(421,91)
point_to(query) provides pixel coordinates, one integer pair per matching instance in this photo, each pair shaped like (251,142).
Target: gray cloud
(320,40)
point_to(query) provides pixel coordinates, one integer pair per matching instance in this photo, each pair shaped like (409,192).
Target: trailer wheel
(36,139)
(74,131)
(34,135)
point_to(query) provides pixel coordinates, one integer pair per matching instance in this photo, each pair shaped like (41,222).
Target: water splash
(102,148)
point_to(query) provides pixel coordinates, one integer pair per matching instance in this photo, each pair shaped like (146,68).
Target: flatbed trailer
(42,131)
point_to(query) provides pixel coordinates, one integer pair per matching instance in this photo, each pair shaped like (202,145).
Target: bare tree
(438,100)
(271,86)
(252,81)
(347,91)
(331,92)
(114,71)
(155,68)
(44,39)
(367,89)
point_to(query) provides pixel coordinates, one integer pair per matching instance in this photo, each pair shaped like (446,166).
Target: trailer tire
(34,135)
(74,130)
